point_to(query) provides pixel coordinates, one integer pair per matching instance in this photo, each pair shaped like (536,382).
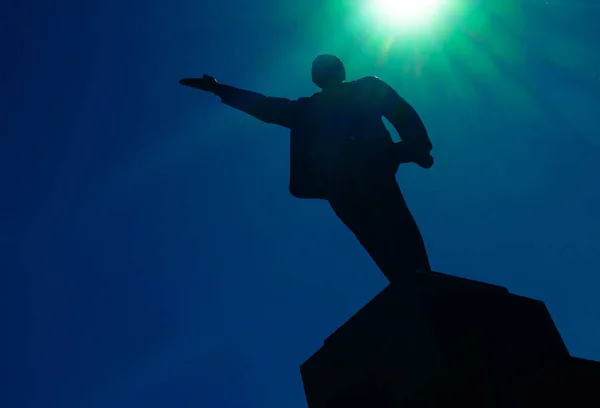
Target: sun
(405,12)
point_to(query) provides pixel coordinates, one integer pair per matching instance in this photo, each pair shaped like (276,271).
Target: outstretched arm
(279,111)
(269,109)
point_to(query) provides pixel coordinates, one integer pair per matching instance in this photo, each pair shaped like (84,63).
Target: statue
(341,151)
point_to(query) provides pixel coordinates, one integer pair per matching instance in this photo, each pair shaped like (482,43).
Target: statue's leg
(355,215)
(375,211)
(396,229)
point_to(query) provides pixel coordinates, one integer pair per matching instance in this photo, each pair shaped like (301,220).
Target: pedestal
(433,339)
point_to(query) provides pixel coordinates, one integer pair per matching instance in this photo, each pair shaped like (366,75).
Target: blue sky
(153,256)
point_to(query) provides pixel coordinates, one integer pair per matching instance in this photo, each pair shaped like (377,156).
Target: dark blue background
(151,253)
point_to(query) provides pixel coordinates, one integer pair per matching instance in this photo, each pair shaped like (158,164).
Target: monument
(428,339)
(341,152)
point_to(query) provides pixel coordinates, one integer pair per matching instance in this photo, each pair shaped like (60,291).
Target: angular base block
(430,338)
(573,383)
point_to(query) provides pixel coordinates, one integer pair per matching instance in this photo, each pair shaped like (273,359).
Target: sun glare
(405,12)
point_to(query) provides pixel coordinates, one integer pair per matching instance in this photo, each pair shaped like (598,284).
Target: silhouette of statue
(341,151)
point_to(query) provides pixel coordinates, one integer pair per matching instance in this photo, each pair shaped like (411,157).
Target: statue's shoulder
(371,82)
(304,99)
(374,82)
(303,103)
(370,79)
(369,87)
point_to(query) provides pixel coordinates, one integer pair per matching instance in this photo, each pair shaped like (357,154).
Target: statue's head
(328,71)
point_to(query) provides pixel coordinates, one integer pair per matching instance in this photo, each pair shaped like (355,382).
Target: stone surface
(574,382)
(433,338)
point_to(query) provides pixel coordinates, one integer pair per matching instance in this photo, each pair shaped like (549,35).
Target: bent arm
(279,111)
(403,117)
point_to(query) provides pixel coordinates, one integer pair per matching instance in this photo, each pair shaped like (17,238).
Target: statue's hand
(425,160)
(405,153)
(206,83)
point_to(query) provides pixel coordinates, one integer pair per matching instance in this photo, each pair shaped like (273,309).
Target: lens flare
(405,12)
